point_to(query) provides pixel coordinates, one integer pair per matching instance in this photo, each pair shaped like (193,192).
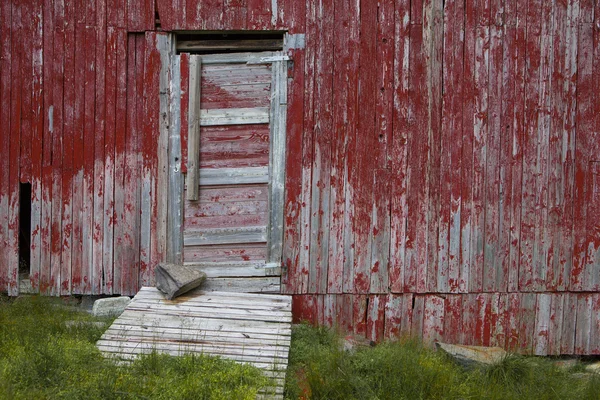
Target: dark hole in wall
(229,42)
(24,228)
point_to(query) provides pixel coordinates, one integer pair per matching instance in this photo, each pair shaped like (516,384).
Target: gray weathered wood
(234,116)
(232,270)
(277,162)
(235,58)
(244,285)
(233,176)
(193,158)
(165,48)
(293,41)
(189,325)
(175,193)
(254,234)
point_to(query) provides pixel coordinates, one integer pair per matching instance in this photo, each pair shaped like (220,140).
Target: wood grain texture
(433,148)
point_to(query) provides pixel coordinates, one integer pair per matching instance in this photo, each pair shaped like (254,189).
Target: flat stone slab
(110,307)
(469,356)
(175,280)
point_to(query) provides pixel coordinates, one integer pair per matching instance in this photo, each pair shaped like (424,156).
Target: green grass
(319,369)
(41,357)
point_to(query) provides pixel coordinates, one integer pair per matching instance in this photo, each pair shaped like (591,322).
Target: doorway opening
(229,42)
(24,228)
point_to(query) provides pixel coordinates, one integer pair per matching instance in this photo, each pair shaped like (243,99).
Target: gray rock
(111,306)
(470,356)
(593,368)
(175,280)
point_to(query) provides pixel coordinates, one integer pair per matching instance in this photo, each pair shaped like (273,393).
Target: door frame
(171,192)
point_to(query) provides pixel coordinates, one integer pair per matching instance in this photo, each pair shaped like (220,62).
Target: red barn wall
(443,166)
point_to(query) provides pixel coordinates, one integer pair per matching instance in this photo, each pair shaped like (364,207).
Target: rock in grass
(594,368)
(110,307)
(470,356)
(175,280)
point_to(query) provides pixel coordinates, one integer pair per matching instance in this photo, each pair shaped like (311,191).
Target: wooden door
(232,222)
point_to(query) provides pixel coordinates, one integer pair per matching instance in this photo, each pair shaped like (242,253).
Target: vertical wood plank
(68,142)
(468,126)
(567,233)
(235,15)
(193,123)
(433,319)
(595,325)
(542,324)
(494,277)
(341,58)
(36,145)
(376,317)
(110,160)
(258,14)
(414,171)
(527,322)
(211,15)
(518,129)
(185,100)
(175,193)
(380,241)
(149,255)
(277,162)
(363,185)
(304,272)
(453,323)
(88,161)
(418,307)
(556,321)
(399,148)
(393,316)
(350,175)
(512,321)
(294,160)
(57,147)
(323,131)
(581,278)
(499,303)
(165,49)
(142,198)
(545,85)
(140,15)
(507,130)
(78,160)
(454,67)
(5,116)
(14,150)
(556,185)
(26,88)
(567,339)
(99,156)
(584,324)
(480,138)
(119,246)
(433,24)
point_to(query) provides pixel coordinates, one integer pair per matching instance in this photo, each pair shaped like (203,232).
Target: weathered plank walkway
(248,328)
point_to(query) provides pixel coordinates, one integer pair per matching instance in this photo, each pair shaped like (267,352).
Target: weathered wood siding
(442,171)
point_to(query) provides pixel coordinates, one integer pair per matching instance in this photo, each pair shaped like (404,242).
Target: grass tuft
(320,369)
(47,351)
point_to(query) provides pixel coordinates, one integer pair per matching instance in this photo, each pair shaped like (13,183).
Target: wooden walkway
(248,328)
